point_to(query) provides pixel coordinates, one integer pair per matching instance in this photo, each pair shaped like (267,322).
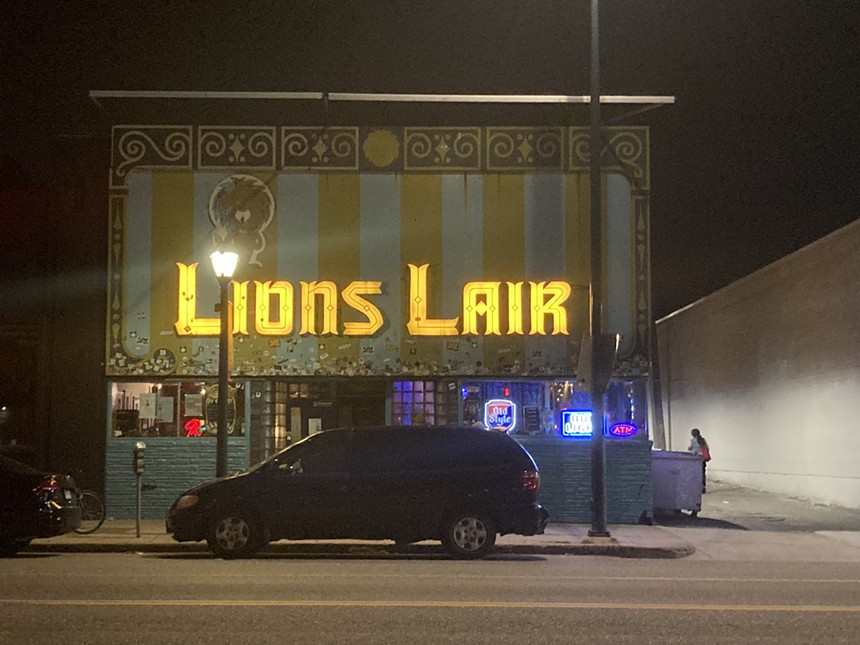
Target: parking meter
(139,450)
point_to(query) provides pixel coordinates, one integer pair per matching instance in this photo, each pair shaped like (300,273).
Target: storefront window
(624,403)
(536,407)
(424,403)
(173,409)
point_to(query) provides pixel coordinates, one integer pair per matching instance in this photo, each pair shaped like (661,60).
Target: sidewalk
(117,536)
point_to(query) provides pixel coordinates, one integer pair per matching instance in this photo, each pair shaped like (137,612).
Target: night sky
(758,157)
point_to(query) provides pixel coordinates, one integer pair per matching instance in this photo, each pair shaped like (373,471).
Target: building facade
(409,275)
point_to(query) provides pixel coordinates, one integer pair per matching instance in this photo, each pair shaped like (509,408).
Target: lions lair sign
(378,251)
(489,308)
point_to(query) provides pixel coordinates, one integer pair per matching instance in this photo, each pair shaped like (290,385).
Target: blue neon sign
(576,423)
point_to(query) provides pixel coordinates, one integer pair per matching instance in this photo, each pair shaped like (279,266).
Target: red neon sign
(192,428)
(623,430)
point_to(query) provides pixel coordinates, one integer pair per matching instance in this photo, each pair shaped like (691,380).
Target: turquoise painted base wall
(173,465)
(565,469)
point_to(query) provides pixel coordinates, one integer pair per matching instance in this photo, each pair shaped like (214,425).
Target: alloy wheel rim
(232,533)
(470,534)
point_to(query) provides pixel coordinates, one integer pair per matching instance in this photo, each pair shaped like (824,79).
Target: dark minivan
(458,485)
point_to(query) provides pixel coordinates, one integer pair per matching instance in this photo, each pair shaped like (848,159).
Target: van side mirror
(286,469)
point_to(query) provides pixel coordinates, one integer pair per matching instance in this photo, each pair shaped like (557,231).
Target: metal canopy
(96,95)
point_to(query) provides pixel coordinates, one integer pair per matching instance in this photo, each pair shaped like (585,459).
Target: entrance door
(361,403)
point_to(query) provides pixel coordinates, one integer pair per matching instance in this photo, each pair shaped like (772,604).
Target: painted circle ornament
(500,414)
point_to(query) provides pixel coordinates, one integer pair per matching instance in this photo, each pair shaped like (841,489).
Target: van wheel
(235,534)
(469,535)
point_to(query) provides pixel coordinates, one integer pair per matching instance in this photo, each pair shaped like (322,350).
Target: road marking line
(430,604)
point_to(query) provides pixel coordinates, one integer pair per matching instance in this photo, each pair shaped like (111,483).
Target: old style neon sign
(500,414)
(275,302)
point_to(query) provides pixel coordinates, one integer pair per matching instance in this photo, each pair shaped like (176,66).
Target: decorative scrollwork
(443,148)
(500,145)
(512,148)
(548,146)
(419,145)
(212,144)
(624,149)
(150,147)
(343,145)
(334,148)
(295,144)
(236,147)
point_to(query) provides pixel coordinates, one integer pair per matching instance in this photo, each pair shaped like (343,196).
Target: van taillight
(530,480)
(49,490)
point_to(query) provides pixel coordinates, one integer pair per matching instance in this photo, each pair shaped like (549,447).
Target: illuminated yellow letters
(187,322)
(558,292)
(275,304)
(419,324)
(515,308)
(328,291)
(352,296)
(281,324)
(240,306)
(488,306)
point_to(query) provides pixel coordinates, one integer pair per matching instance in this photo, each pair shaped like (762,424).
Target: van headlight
(186,501)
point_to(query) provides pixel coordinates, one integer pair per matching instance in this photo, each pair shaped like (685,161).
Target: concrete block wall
(768,368)
(172,465)
(565,468)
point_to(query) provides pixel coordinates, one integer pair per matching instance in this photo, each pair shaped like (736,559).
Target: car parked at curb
(34,504)
(462,486)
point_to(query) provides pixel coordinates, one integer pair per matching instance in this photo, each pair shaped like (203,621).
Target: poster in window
(147,406)
(193,405)
(164,408)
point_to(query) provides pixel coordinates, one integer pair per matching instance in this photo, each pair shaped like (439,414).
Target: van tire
(469,534)
(235,534)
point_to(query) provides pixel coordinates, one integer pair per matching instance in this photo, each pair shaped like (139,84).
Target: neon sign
(317,302)
(500,414)
(192,428)
(576,423)
(623,430)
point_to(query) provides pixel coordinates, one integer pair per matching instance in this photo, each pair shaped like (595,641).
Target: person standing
(698,446)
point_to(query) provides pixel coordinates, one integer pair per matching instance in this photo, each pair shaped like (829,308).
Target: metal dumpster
(677,481)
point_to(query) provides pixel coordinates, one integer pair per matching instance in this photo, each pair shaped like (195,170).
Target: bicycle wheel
(93,512)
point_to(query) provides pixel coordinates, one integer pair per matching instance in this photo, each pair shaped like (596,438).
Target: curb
(370,550)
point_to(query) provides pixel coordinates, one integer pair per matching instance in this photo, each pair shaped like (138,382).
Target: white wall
(768,369)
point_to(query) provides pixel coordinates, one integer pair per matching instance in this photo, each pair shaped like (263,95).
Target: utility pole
(598,457)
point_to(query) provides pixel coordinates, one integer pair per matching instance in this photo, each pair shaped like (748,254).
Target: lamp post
(598,458)
(224,262)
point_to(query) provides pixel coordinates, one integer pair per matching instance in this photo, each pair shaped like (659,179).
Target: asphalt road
(186,599)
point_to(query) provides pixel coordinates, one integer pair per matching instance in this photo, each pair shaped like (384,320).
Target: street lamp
(224,262)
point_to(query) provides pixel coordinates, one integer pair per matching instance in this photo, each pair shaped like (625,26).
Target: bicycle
(93,512)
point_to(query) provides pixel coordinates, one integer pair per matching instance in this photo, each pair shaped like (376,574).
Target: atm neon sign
(623,430)
(488,308)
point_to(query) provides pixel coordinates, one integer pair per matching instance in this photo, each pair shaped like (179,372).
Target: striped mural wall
(354,224)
